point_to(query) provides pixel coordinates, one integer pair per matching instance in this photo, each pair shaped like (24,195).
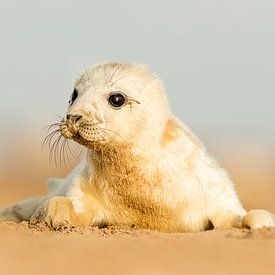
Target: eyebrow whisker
(115,70)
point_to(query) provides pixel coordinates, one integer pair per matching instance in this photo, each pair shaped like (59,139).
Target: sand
(26,249)
(112,250)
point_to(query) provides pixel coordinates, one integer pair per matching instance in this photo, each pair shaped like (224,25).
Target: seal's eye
(73,96)
(117,100)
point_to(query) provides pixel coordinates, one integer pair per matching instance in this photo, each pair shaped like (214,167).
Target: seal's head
(116,103)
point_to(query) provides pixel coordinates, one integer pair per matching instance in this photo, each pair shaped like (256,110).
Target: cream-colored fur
(144,167)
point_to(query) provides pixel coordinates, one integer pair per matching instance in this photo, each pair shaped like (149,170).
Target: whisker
(66,146)
(53,150)
(123,77)
(57,124)
(59,117)
(81,148)
(49,137)
(59,148)
(60,151)
(77,74)
(68,151)
(106,129)
(118,79)
(78,150)
(63,153)
(105,133)
(115,70)
(69,148)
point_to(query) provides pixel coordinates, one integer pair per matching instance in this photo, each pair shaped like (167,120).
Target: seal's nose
(73,118)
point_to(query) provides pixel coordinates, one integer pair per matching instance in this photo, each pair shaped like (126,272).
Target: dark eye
(73,96)
(117,100)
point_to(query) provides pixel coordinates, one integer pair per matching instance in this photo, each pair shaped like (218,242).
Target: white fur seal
(144,166)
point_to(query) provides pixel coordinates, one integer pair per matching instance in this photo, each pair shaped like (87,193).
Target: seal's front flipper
(7,214)
(21,211)
(57,212)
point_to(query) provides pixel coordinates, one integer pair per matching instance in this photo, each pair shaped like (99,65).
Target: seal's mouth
(88,134)
(83,132)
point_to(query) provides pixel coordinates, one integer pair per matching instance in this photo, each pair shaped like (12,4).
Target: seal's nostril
(77,117)
(73,118)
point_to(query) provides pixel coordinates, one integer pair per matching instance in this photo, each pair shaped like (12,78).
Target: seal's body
(144,167)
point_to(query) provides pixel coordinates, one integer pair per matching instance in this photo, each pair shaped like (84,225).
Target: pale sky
(216,57)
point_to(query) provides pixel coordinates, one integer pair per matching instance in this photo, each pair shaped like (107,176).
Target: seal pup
(144,166)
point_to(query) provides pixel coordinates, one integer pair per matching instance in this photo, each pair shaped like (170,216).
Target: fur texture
(145,167)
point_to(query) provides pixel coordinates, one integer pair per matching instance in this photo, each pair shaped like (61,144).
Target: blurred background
(215,57)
